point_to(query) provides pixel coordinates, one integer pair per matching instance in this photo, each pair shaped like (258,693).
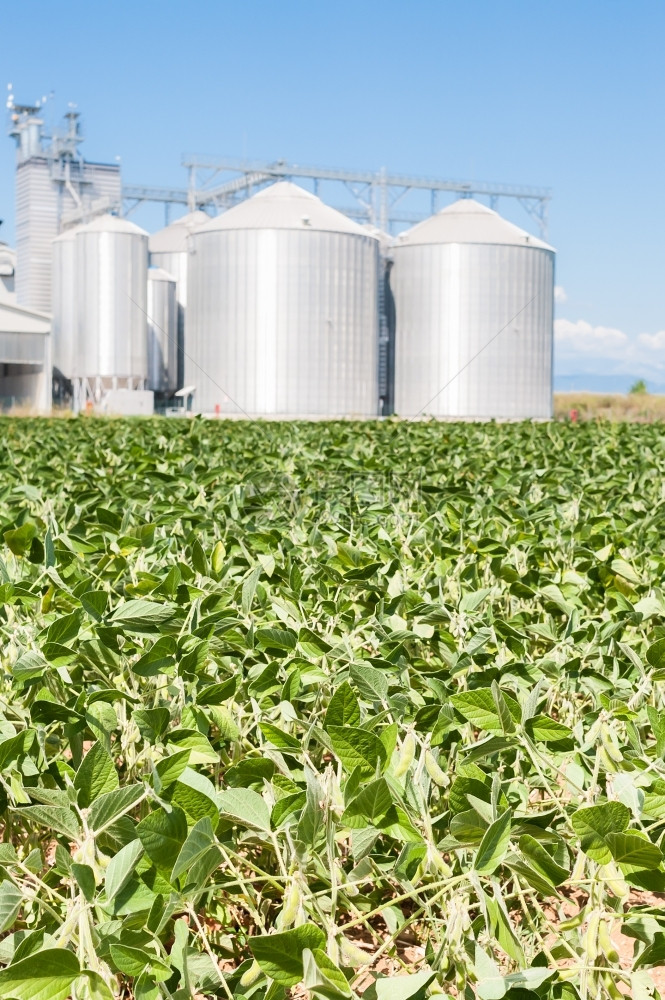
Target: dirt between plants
(625,945)
(385,966)
(413,956)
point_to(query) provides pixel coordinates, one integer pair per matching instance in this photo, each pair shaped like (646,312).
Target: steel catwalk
(283,310)
(111,276)
(162,331)
(473,298)
(386,359)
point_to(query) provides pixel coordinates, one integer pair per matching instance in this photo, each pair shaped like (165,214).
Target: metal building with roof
(25,350)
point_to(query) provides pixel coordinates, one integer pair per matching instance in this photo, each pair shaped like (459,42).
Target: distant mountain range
(603,383)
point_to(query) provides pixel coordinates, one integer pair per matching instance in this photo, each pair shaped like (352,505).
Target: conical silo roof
(284,205)
(173,238)
(386,240)
(68,235)
(7,259)
(111,224)
(467,221)
(159,274)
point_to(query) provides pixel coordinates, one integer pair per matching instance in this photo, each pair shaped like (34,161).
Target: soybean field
(331,710)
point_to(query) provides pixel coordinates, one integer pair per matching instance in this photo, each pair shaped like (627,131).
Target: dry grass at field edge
(642,408)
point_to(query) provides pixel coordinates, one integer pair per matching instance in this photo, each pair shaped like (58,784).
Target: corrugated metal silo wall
(112,305)
(477,320)
(63,327)
(175,262)
(283,322)
(162,335)
(40,203)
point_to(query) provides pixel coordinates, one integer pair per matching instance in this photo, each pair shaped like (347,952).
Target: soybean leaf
(491,984)
(373,803)
(162,835)
(15,747)
(94,603)
(201,750)
(343,709)
(545,730)
(152,722)
(480,709)
(542,860)
(199,839)
(19,540)
(322,977)
(529,979)
(403,987)
(634,849)
(170,768)
(656,654)
(140,615)
(501,705)
(357,748)
(280,739)
(246,807)
(594,823)
(158,659)
(10,903)
(196,795)
(133,961)
(372,683)
(47,975)
(109,806)
(281,955)
(278,638)
(653,954)
(56,818)
(121,868)
(494,845)
(95,987)
(96,775)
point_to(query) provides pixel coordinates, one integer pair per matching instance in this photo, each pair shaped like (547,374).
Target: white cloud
(583,338)
(560,295)
(581,346)
(653,341)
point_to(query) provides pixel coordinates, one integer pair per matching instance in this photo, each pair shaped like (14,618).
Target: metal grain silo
(111,275)
(168,250)
(162,331)
(282,310)
(473,299)
(64,302)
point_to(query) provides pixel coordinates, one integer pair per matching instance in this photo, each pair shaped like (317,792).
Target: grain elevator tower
(54,186)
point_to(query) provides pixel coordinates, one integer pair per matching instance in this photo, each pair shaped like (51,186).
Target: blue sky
(567,95)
